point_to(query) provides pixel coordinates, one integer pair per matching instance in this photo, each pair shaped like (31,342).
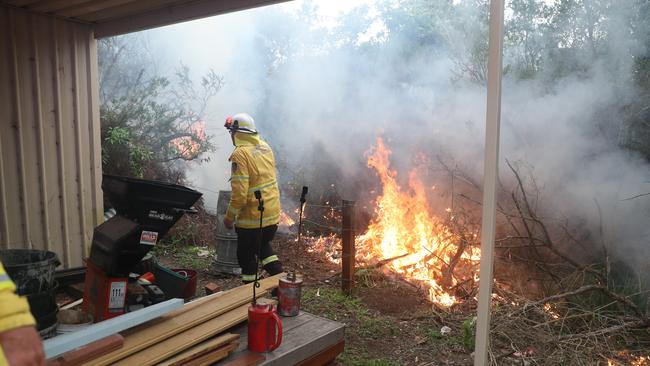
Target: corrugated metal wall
(50,167)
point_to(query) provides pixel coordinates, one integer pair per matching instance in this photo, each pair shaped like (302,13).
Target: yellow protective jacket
(253,168)
(14,310)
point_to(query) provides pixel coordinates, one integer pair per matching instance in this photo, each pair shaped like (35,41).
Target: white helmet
(241,122)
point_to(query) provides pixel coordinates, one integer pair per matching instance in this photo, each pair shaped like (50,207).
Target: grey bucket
(31,270)
(226,258)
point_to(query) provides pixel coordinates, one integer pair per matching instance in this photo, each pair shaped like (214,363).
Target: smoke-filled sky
(323,105)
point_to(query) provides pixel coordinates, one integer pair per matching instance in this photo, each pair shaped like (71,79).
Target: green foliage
(434,335)
(469,333)
(149,122)
(184,246)
(333,304)
(374,327)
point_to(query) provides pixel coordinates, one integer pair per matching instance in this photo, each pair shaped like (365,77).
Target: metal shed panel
(50,162)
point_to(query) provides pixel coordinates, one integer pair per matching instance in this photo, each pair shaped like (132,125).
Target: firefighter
(20,343)
(253,168)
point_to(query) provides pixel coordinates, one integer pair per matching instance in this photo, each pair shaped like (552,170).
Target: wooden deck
(307,340)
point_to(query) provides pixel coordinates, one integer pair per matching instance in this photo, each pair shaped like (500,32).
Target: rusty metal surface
(289,294)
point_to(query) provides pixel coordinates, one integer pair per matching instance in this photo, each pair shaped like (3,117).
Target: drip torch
(263,319)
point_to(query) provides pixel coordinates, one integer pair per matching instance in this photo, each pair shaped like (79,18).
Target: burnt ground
(388,321)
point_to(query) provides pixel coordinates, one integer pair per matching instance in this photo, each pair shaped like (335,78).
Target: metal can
(289,293)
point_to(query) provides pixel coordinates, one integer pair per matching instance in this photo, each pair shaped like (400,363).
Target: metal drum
(226,258)
(289,293)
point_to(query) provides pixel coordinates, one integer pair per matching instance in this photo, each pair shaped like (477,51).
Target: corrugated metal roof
(113,17)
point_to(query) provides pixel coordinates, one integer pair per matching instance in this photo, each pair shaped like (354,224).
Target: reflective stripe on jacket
(253,169)
(14,310)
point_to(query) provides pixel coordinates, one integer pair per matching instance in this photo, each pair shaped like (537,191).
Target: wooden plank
(88,352)
(305,341)
(174,14)
(64,343)
(246,358)
(212,357)
(325,356)
(194,304)
(490,178)
(189,338)
(200,349)
(144,337)
(303,337)
(287,325)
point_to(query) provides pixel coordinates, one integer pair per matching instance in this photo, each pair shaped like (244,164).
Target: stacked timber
(195,334)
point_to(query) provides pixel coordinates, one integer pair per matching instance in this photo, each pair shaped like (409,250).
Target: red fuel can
(289,293)
(264,328)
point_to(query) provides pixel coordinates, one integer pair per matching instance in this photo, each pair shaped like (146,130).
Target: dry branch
(619,298)
(608,330)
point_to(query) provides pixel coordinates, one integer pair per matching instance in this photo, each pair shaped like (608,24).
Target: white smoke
(324,89)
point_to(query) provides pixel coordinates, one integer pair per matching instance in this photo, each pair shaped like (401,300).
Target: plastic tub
(170,282)
(31,270)
(190,286)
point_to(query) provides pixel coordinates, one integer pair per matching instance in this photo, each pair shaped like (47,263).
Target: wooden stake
(491,170)
(349,251)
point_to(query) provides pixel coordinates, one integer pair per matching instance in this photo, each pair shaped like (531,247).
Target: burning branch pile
(551,305)
(581,318)
(411,241)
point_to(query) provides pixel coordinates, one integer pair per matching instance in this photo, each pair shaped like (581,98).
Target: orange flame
(406,231)
(286,220)
(188,147)
(627,358)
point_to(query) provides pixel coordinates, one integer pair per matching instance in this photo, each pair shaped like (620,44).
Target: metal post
(491,170)
(349,251)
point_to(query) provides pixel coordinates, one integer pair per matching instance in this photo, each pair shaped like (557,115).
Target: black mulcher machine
(146,210)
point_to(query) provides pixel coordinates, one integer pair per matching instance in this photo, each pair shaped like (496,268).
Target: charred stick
(447,279)
(385,261)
